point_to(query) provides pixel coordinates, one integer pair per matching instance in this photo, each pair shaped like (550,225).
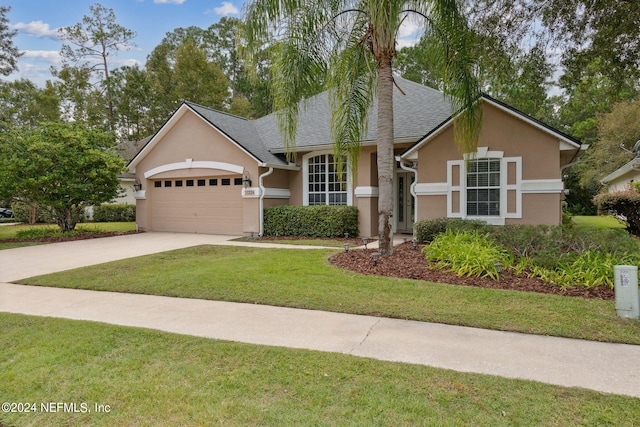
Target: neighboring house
(206,171)
(621,179)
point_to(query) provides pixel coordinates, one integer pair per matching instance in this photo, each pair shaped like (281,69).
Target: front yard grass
(11,231)
(151,378)
(600,221)
(305,279)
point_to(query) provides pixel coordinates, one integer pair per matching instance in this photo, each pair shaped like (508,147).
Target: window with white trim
(483,187)
(325,186)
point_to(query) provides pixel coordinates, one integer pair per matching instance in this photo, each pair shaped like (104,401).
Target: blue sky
(37,22)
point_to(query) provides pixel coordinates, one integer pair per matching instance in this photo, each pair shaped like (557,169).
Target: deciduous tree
(63,167)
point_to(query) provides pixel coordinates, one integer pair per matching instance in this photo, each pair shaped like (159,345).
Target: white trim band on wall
(190,164)
(541,186)
(431,189)
(269,193)
(366,191)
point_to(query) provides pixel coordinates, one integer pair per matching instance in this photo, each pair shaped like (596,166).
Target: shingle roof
(240,130)
(415,113)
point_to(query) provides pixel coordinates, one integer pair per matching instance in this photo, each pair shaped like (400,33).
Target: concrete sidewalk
(611,368)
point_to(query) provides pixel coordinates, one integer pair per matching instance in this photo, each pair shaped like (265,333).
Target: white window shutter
(456,197)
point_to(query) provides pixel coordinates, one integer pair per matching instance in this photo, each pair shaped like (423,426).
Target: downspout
(412,189)
(262,194)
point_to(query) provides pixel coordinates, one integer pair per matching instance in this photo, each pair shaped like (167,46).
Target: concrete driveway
(30,261)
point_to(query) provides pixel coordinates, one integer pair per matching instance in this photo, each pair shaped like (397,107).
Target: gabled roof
(239,131)
(567,142)
(633,165)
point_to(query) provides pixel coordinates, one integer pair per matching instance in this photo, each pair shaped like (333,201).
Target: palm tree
(348,47)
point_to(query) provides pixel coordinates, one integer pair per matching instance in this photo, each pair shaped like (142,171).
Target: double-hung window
(325,186)
(483,187)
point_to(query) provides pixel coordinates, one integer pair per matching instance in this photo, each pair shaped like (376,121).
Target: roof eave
(631,166)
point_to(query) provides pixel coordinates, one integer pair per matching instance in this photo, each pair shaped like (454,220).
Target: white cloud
(51,56)
(169,1)
(226,9)
(36,28)
(125,63)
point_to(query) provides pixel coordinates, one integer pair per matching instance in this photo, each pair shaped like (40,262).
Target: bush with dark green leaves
(31,214)
(114,213)
(624,205)
(311,221)
(427,230)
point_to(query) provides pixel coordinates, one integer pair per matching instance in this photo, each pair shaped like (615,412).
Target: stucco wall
(514,138)
(190,137)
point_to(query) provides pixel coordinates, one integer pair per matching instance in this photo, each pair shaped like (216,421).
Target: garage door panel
(206,209)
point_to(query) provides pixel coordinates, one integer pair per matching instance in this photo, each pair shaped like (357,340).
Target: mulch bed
(80,236)
(409,263)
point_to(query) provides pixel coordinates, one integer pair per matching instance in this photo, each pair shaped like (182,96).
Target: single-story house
(621,178)
(206,171)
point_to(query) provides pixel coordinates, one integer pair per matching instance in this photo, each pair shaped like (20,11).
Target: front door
(406,204)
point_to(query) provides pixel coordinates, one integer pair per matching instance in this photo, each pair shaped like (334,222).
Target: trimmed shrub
(22,212)
(311,221)
(427,230)
(624,205)
(114,213)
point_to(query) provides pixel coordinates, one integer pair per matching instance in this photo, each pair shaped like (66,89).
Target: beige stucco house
(206,171)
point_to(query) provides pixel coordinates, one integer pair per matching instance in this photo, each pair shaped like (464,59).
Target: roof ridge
(194,104)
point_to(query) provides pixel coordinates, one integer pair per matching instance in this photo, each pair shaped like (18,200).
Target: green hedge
(312,221)
(114,213)
(24,213)
(622,204)
(427,230)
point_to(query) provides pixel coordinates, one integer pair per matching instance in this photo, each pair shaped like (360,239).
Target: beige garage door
(197,205)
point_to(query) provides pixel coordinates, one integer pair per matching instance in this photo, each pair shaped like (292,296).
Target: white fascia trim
(631,166)
(155,138)
(541,186)
(363,191)
(432,189)
(190,164)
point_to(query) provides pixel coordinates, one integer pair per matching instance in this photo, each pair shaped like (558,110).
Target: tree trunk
(67,218)
(386,159)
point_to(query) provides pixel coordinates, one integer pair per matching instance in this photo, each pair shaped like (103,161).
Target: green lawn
(305,279)
(10,231)
(150,378)
(603,221)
